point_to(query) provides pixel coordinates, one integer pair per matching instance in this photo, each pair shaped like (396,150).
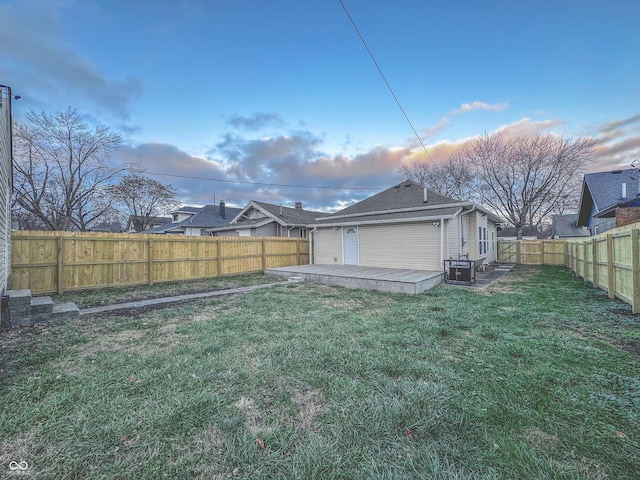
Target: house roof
(107,227)
(285,216)
(610,212)
(602,190)
(404,201)
(565,226)
(203,217)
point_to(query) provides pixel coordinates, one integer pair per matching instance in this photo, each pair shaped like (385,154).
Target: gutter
(311,253)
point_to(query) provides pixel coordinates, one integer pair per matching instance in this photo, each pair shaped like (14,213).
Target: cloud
(617,124)
(617,143)
(283,168)
(469,107)
(465,108)
(256,121)
(43,69)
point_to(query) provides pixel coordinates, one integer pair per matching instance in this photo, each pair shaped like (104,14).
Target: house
(196,221)
(138,223)
(602,194)
(407,227)
(106,227)
(6,189)
(269,220)
(564,227)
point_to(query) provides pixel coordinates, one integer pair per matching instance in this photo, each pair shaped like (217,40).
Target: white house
(406,226)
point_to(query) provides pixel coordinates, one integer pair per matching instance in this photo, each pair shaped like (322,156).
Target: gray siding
(327,246)
(410,245)
(5,188)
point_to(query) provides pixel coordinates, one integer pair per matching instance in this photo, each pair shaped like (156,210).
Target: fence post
(518,252)
(585,262)
(60,263)
(594,257)
(150,259)
(264,255)
(610,272)
(635,271)
(218,257)
(298,251)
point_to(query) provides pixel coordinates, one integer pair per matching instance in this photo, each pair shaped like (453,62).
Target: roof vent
(424,195)
(624,190)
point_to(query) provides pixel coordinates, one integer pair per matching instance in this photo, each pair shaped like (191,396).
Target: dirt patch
(310,404)
(539,440)
(19,449)
(253,417)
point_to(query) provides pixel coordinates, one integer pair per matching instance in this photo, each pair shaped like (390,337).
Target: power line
(239,182)
(384,78)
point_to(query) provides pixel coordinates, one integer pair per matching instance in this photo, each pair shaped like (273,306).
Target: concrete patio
(367,278)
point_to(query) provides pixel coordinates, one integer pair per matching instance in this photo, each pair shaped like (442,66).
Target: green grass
(112,295)
(536,378)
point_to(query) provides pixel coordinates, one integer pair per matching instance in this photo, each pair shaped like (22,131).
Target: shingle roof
(290,216)
(206,217)
(565,226)
(604,189)
(402,201)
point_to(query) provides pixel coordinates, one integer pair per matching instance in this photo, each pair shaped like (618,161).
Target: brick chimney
(221,210)
(299,205)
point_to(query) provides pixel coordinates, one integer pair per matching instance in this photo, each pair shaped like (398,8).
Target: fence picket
(54,262)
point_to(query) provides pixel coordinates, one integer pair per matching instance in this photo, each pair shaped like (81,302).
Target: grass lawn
(536,378)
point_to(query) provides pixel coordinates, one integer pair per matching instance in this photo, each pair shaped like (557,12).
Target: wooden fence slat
(54,262)
(614,257)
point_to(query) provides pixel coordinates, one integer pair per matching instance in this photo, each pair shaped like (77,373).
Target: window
(493,241)
(175,217)
(482,241)
(303,232)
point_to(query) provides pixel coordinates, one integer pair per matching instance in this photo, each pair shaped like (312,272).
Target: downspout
(311,252)
(289,231)
(462,242)
(442,241)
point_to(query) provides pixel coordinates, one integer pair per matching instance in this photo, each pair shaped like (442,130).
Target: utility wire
(240,182)
(384,78)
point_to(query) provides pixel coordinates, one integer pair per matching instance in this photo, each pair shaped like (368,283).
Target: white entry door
(350,241)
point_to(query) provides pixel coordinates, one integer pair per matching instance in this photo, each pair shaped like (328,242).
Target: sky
(279,101)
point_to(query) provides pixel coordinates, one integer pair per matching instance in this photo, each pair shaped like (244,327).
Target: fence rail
(610,261)
(55,262)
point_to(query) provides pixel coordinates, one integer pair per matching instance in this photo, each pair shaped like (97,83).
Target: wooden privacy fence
(610,261)
(55,262)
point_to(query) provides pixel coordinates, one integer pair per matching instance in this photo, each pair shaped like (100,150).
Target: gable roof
(403,201)
(601,190)
(107,227)
(565,226)
(285,216)
(204,217)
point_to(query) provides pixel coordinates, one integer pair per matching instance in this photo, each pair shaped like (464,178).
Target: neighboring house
(269,220)
(624,213)
(6,189)
(564,227)
(107,228)
(136,223)
(510,233)
(602,193)
(196,221)
(406,226)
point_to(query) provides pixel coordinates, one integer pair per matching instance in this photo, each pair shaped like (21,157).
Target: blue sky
(283,92)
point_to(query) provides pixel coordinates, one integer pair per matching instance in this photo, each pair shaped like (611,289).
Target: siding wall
(412,245)
(327,246)
(5,188)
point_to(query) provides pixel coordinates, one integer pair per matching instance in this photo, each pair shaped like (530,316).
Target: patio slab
(389,280)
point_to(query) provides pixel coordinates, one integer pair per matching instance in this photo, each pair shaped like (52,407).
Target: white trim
(390,220)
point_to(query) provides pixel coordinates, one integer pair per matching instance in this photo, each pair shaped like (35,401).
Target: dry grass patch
(311,404)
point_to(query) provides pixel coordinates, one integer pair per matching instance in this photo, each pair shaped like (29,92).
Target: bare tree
(452,178)
(524,179)
(61,168)
(143,198)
